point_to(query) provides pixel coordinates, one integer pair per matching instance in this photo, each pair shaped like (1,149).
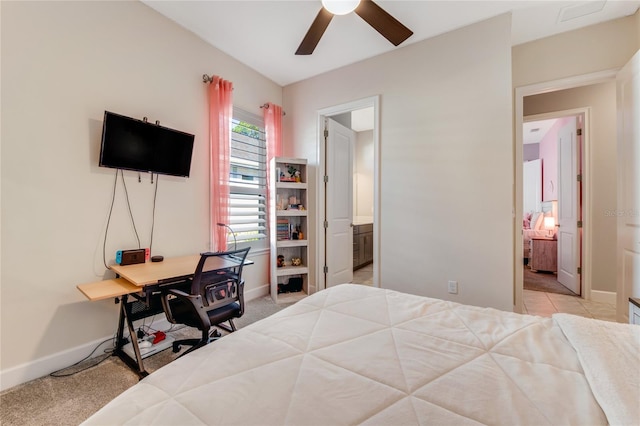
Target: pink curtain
(220,114)
(273,128)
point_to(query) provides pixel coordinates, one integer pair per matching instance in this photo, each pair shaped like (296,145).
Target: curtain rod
(267,107)
(207,79)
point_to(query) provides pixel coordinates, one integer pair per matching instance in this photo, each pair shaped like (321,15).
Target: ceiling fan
(373,14)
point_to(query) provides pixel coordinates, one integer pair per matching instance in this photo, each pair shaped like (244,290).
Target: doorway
(586,249)
(363,186)
(553,171)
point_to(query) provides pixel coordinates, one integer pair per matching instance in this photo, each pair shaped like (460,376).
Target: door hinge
(579,178)
(326,224)
(326,133)
(326,179)
(579,270)
(579,224)
(579,132)
(325,269)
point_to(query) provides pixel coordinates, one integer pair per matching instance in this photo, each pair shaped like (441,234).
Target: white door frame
(373,101)
(535,89)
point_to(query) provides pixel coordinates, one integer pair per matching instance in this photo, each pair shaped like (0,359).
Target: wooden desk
(143,283)
(172,269)
(135,277)
(107,289)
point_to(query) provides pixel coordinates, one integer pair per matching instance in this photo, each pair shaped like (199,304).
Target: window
(248,180)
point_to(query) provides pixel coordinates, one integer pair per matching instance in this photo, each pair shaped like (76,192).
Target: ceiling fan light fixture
(340,7)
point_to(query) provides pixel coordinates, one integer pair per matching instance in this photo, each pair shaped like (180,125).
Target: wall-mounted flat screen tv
(132,144)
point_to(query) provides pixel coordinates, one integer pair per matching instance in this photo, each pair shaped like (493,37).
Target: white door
(628,211)
(339,204)
(568,205)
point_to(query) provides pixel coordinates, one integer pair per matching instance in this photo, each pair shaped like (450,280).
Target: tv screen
(133,144)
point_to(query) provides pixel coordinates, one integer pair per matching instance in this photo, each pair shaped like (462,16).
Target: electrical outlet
(453,287)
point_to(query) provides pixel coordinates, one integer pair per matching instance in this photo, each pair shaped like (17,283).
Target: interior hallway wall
(437,183)
(587,50)
(364,161)
(592,49)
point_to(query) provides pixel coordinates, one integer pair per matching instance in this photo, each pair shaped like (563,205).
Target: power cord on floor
(108,352)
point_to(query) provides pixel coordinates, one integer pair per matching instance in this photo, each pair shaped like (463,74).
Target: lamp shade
(549,222)
(340,7)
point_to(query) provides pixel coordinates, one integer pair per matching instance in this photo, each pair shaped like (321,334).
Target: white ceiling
(535,131)
(264,34)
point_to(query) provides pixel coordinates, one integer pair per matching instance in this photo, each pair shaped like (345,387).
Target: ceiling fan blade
(382,22)
(317,28)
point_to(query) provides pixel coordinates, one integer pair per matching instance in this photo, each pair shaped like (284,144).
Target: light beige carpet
(71,400)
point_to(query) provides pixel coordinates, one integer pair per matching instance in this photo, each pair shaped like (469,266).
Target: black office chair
(216,296)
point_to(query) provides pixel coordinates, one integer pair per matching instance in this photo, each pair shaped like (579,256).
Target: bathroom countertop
(362,220)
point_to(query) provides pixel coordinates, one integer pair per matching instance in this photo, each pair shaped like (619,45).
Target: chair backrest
(218,286)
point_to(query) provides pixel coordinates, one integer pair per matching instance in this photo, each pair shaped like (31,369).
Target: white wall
(363,171)
(63,64)
(595,48)
(446,188)
(637,16)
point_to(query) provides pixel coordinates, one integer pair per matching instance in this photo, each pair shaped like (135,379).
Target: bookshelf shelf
(291,185)
(291,243)
(291,213)
(285,271)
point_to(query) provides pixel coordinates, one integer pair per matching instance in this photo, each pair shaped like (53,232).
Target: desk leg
(125,316)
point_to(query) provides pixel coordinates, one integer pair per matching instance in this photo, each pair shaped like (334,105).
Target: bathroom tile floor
(363,275)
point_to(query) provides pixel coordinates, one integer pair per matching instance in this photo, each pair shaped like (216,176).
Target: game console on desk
(132,257)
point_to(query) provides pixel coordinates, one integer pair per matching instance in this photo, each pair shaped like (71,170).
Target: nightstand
(544,254)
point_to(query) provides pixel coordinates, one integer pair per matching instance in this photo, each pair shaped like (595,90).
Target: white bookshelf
(289,225)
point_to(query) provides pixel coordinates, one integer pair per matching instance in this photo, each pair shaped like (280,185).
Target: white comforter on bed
(356,354)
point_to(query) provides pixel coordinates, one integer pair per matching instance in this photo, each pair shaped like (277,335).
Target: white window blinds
(247,180)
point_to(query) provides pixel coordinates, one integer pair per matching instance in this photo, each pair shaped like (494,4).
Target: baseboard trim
(46,365)
(604,296)
(41,367)
(256,293)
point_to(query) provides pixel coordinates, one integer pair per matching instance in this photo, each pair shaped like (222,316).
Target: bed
(354,354)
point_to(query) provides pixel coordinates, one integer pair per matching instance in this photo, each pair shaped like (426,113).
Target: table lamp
(550,224)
